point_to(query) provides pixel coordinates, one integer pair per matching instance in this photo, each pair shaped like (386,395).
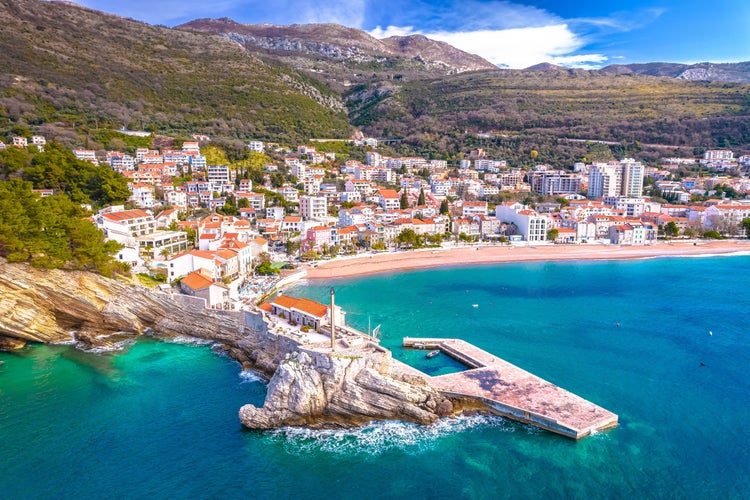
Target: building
(629,206)
(198,162)
(718,154)
(127,224)
(136,229)
(470,208)
(313,207)
(305,312)
(632,177)
(86,155)
(219,176)
(197,284)
(389,199)
(530,225)
(191,147)
(320,237)
(554,182)
(256,146)
(624,178)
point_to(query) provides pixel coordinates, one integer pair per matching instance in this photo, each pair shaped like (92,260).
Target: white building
(471,208)
(191,147)
(256,146)
(313,207)
(554,182)
(86,155)
(198,162)
(630,206)
(389,199)
(218,176)
(718,154)
(624,178)
(531,226)
(142,194)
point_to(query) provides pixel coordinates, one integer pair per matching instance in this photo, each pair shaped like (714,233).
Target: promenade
(513,392)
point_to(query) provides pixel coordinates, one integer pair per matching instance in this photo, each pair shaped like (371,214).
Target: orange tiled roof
(126,215)
(196,281)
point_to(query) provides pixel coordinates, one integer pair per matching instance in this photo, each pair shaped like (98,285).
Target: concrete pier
(513,392)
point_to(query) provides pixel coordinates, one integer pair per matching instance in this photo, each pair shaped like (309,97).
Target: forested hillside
(515,112)
(53,231)
(69,70)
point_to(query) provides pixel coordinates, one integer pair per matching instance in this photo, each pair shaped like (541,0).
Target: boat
(432,354)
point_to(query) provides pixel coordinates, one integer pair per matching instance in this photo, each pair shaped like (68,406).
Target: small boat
(432,354)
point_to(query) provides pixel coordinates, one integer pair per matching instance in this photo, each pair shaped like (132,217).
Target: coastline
(367,264)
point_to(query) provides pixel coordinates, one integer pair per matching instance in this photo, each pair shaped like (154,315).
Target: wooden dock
(513,392)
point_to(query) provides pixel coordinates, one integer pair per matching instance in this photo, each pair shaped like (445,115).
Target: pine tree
(444,207)
(404,202)
(421,200)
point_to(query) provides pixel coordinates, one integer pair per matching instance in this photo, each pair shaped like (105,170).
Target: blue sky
(586,33)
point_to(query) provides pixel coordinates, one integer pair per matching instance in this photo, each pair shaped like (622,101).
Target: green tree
(291,247)
(408,238)
(713,235)
(51,232)
(215,155)
(671,230)
(404,201)
(266,269)
(552,234)
(309,255)
(746,226)
(444,208)
(421,200)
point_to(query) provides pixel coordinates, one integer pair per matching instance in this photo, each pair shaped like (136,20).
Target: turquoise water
(161,419)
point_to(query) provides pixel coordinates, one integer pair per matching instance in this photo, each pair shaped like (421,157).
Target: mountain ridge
(735,72)
(336,35)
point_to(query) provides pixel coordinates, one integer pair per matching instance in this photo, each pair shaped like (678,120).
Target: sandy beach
(401,261)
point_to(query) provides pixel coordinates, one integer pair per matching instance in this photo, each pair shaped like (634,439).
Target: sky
(585,34)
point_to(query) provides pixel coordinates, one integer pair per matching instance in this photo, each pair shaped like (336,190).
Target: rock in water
(319,389)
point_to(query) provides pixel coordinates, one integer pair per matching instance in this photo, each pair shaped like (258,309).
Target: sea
(664,343)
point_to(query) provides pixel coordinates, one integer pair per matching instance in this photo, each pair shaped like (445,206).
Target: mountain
(706,71)
(71,72)
(511,113)
(344,56)
(68,71)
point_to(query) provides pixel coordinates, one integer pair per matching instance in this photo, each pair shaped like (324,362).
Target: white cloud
(381,33)
(513,48)
(585,61)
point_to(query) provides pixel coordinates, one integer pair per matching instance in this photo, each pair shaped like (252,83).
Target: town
(230,239)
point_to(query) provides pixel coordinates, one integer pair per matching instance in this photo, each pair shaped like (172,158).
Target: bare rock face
(309,387)
(323,389)
(49,305)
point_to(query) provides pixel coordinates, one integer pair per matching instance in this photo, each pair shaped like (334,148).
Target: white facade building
(313,207)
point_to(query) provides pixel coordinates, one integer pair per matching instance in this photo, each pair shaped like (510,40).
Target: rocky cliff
(308,386)
(312,388)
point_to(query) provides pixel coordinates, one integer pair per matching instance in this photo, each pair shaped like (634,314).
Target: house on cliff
(305,312)
(198,284)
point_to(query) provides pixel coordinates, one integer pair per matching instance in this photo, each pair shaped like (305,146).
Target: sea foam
(380,437)
(249,376)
